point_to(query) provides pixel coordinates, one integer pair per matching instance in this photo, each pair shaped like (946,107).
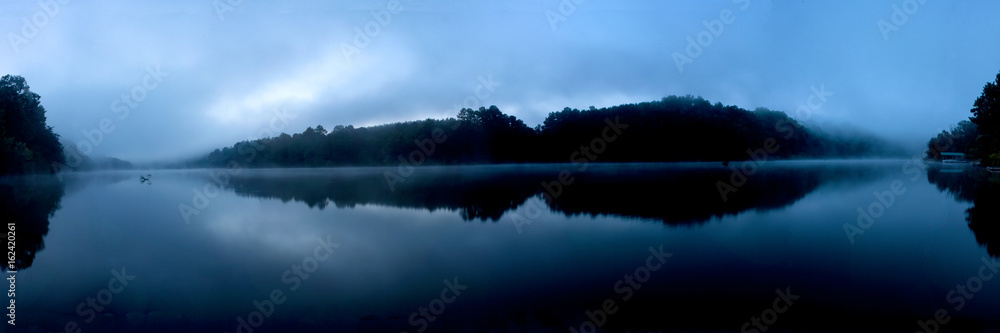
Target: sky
(152,81)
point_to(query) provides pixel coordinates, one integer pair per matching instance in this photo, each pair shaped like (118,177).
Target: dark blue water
(484,248)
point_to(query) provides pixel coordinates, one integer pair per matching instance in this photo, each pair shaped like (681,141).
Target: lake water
(627,247)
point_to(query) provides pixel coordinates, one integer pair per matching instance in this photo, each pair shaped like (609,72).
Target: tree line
(979,136)
(27,144)
(675,128)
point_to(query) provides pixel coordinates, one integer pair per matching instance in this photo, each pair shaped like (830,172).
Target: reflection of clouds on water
(259,226)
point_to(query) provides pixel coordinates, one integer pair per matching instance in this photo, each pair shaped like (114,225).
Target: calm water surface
(344,251)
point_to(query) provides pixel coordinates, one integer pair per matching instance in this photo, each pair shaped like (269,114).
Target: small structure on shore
(950,157)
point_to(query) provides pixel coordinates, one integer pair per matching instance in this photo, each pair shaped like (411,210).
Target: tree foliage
(986,114)
(673,129)
(961,139)
(27,144)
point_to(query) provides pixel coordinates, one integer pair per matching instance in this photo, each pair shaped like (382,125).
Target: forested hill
(673,129)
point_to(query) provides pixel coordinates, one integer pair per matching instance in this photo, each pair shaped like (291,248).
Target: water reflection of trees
(29,202)
(671,193)
(982,189)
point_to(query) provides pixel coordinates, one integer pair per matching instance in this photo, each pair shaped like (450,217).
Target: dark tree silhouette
(27,145)
(673,129)
(986,114)
(962,139)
